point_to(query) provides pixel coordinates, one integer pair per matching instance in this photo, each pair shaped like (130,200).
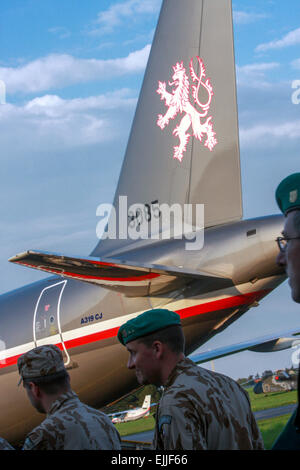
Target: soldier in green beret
(69,424)
(288,200)
(199,409)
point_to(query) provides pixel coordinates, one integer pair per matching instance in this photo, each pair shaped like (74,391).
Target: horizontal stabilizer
(128,278)
(268,343)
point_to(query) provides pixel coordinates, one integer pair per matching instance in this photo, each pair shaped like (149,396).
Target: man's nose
(130,363)
(280,260)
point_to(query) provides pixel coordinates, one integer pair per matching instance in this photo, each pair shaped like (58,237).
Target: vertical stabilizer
(147,402)
(183,147)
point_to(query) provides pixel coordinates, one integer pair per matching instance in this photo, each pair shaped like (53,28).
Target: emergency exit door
(46,319)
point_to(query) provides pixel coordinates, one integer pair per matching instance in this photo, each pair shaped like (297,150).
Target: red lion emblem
(178,101)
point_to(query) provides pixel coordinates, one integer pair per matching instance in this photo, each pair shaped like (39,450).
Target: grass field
(133,427)
(271,400)
(269,428)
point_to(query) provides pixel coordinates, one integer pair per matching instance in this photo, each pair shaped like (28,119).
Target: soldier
(288,200)
(198,409)
(69,424)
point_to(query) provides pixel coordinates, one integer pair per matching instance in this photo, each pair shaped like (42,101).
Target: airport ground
(278,405)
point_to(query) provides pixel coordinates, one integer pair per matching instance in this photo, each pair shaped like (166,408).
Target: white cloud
(254,74)
(290,39)
(109,19)
(60,70)
(241,17)
(257,68)
(52,122)
(53,105)
(270,133)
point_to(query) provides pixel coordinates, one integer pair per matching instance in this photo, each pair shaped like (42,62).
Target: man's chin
(143,381)
(295,291)
(296,296)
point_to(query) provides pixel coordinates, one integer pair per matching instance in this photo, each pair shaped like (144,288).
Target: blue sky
(73,71)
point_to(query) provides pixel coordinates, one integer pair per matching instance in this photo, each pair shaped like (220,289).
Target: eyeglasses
(283,241)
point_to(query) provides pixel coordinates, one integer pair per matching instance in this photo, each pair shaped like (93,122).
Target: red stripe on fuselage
(222,304)
(78,276)
(216,305)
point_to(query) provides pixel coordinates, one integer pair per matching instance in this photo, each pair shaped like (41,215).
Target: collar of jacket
(61,400)
(178,369)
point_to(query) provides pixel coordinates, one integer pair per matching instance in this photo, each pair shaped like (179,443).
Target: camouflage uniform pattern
(40,362)
(201,410)
(72,425)
(4,445)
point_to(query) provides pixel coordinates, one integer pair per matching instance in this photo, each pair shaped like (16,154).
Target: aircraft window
(251,232)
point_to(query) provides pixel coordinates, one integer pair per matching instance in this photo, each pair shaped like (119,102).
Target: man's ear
(35,389)
(158,348)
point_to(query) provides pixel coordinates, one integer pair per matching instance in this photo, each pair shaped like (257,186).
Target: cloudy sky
(72,72)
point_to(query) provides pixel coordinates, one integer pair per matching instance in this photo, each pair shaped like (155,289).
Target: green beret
(146,323)
(288,193)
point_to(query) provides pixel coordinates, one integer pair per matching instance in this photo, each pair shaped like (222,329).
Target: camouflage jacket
(200,409)
(4,445)
(72,425)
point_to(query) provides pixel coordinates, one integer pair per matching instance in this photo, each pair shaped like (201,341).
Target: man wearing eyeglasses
(288,200)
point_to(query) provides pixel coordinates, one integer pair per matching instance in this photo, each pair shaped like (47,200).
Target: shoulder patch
(28,444)
(32,441)
(165,419)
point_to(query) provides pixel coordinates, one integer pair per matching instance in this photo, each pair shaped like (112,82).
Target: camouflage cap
(146,323)
(288,193)
(40,362)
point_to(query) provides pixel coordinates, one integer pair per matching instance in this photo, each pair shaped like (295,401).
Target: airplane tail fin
(183,146)
(147,402)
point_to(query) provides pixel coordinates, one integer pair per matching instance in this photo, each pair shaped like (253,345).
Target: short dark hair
(172,336)
(50,384)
